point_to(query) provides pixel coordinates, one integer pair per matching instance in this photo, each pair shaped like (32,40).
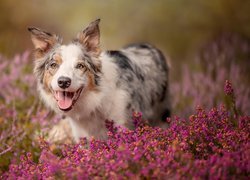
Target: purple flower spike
(228,88)
(137,119)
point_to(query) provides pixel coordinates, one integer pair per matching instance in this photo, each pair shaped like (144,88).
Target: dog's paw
(60,132)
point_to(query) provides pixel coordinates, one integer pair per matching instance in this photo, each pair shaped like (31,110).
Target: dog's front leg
(61,132)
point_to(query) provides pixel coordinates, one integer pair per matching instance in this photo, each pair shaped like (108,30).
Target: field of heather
(208,135)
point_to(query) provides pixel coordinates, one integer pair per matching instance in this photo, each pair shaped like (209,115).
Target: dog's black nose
(64,82)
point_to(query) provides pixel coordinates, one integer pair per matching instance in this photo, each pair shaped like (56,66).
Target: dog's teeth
(61,95)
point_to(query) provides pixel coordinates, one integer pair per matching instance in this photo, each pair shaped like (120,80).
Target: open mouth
(66,99)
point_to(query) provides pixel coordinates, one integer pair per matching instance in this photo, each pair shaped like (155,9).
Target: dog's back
(143,74)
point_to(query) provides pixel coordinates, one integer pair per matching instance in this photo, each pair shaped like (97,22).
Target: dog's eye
(80,66)
(53,65)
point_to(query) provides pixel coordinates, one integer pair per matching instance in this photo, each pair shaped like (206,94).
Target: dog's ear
(90,38)
(43,41)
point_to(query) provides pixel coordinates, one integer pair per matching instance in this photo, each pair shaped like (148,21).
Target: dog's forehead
(70,52)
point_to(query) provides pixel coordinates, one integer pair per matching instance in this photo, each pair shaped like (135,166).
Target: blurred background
(195,34)
(178,27)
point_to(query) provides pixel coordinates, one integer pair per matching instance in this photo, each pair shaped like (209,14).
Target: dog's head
(67,71)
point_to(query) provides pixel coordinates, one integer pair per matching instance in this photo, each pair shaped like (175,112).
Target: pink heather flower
(137,119)
(228,88)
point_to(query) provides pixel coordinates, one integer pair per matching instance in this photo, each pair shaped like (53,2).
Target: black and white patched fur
(90,86)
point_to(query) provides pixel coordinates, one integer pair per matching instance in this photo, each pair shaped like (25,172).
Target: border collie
(89,85)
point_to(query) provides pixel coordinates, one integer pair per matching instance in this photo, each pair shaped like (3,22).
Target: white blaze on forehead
(70,52)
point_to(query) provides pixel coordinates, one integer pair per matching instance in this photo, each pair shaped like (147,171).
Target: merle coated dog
(89,85)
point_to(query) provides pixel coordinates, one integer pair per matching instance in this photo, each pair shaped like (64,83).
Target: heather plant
(224,58)
(207,145)
(21,114)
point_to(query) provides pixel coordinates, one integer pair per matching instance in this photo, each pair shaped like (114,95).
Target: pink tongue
(64,101)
